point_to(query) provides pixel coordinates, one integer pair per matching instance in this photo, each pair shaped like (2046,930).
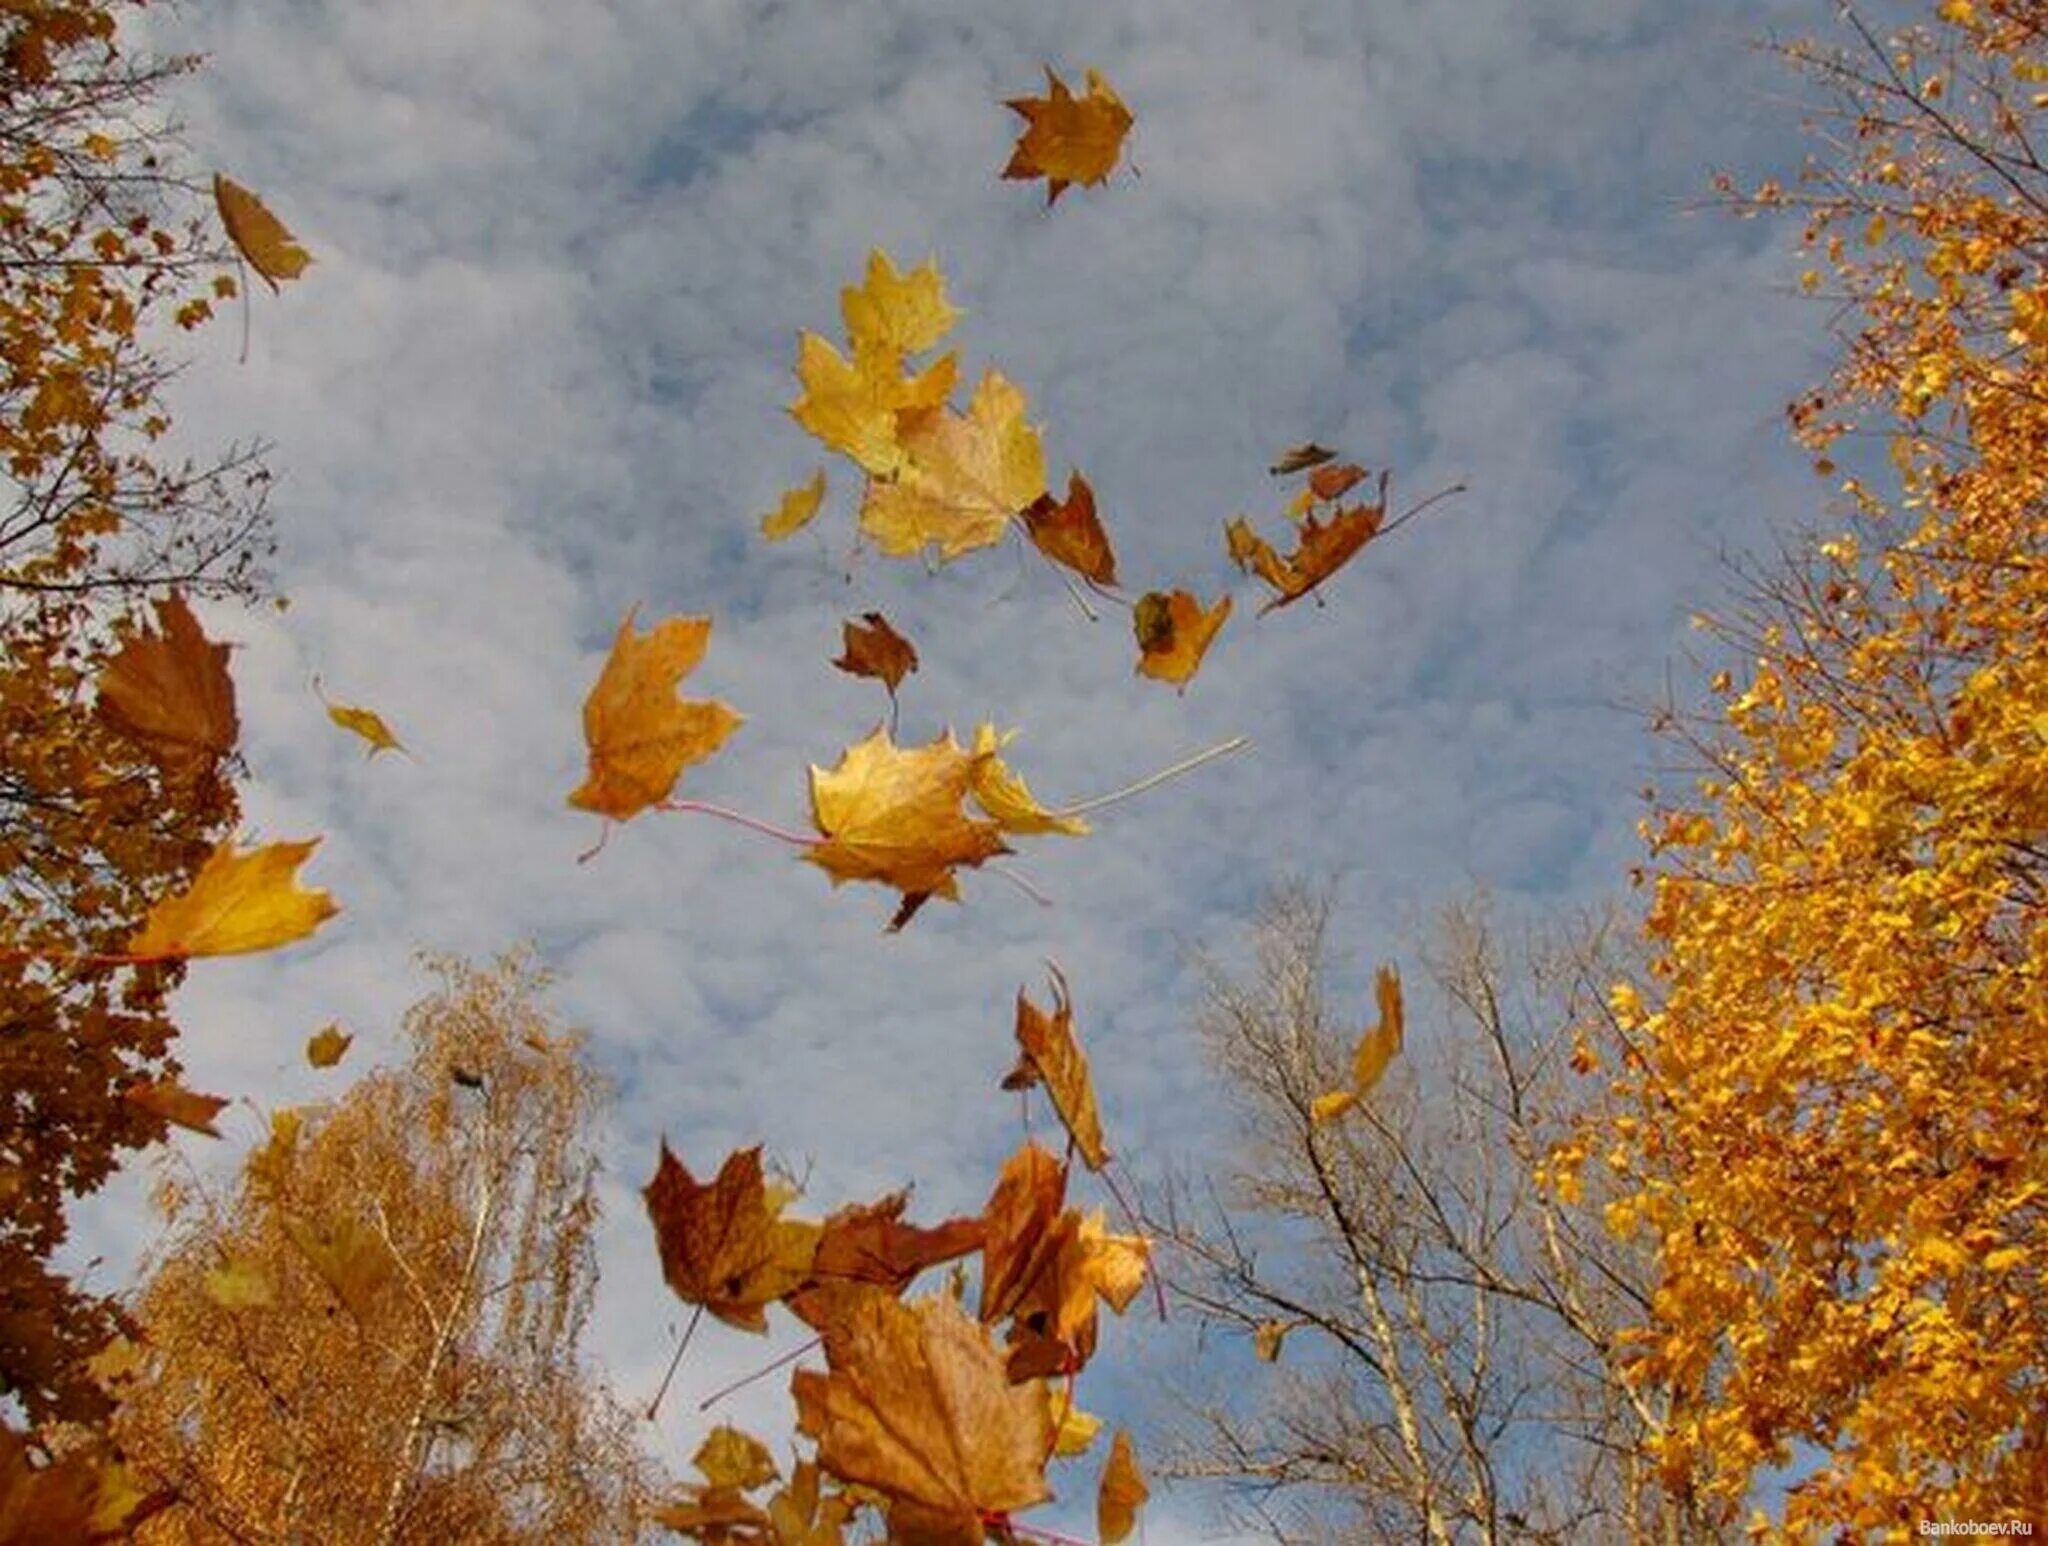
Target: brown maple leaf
(725,1245)
(875,649)
(895,815)
(1070,533)
(1321,549)
(915,1405)
(1174,633)
(1069,139)
(170,692)
(1051,1054)
(1330,482)
(170,1100)
(640,734)
(1021,1221)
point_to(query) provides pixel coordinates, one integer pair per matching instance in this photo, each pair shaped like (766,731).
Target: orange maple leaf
(237,903)
(1330,482)
(171,693)
(1174,633)
(640,734)
(1021,1229)
(1321,549)
(1070,533)
(895,816)
(915,1405)
(868,1246)
(1051,1054)
(1078,1262)
(725,1245)
(258,235)
(1069,139)
(1121,1492)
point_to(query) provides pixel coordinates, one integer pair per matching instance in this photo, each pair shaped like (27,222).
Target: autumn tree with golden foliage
(104,807)
(1435,1323)
(375,1339)
(1832,1109)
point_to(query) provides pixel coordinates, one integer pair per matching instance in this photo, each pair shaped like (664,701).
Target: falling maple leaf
(171,693)
(1069,139)
(915,1405)
(1020,1224)
(1051,1054)
(731,1458)
(962,479)
(1321,549)
(1300,458)
(725,1245)
(852,406)
(1267,1337)
(237,903)
(1174,633)
(1078,1262)
(258,235)
(1070,533)
(365,723)
(1330,482)
(892,314)
(875,649)
(641,735)
(1006,798)
(1075,1429)
(795,510)
(1122,1491)
(869,1246)
(894,815)
(327,1046)
(347,1254)
(174,1103)
(1375,1050)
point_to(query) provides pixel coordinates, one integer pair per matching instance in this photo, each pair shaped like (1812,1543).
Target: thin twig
(1188,765)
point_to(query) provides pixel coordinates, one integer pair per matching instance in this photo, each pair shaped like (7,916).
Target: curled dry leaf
(1267,1337)
(1122,1491)
(725,1245)
(640,734)
(1070,533)
(795,510)
(170,692)
(963,477)
(1174,633)
(1053,1331)
(875,649)
(1069,139)
(895,816)
(915,1405)
(1021,1221)
(1375,1050)
(258,235)
(327,1046)
(1322,547)
(237,903)
(174,1103)
(1075,1429)
(1300,458)
(1050,1054)
(362,722)
(1330,482)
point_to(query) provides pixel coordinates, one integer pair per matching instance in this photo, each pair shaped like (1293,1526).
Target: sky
(538,374)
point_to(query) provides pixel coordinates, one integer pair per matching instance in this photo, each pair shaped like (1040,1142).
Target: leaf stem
(739,818)
(654,1406)
(761,1373)
(1186,765)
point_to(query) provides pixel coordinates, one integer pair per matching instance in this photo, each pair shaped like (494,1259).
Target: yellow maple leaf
(1122,1491)
(640,734)
(364,723)
(1069,139)
(963,478)
(796,509)
(895,815)
(1174,633)
(894,314)
(1007,798)
(258,235)
(327,1046)
(237,903)
(852,405)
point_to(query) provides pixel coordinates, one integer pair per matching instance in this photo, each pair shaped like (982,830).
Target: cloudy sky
(538,375)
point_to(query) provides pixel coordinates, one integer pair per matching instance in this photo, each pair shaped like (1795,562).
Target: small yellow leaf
(257,234)
(730,1458)
(362,722)
(796,509)
(238,902)
(1076,1429)
(326,1047)
(1122,1491)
